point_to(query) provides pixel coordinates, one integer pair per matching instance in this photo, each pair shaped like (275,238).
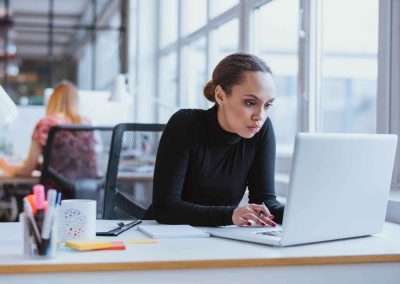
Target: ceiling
(31,25)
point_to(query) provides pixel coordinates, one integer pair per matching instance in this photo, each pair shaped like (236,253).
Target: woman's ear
(219,95)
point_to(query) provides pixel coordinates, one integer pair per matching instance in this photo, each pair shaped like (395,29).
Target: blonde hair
(64,101)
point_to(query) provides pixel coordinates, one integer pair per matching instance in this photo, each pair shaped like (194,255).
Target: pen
(49,216)
(32,201)
(48,220)
(38,191)
(58,200)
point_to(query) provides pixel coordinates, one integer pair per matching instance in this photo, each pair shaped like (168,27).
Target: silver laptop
(339,188)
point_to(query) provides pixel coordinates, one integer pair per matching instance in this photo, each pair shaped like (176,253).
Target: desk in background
(12,190)
(18,180)
(137,185)
(208,260)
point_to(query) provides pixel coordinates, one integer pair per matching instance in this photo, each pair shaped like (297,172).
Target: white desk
(209,260)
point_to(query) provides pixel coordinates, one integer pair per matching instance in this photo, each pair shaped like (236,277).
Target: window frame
(309,72)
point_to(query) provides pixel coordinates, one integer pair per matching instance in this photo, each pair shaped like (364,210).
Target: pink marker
(38,191)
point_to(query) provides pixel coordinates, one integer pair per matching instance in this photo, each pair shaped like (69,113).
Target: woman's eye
(267,106)
(249,103)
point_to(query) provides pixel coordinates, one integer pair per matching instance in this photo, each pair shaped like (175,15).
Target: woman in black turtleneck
(207,158)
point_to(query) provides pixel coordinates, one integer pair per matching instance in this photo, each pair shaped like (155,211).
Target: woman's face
(244,110)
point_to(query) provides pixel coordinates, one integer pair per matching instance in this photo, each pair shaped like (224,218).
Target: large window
(168,22)
(188,53)
(224,41)
(323,55)
(275,40)
(167,100)
(345,100)
(194,15)
(349,65)
(194,73)
(218,7)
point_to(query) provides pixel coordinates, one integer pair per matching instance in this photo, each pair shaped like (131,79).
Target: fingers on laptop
(252,219)
(261,209)
(248,221)
(263,213)
(253,214)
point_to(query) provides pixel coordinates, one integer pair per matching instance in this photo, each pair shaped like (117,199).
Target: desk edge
(196,264)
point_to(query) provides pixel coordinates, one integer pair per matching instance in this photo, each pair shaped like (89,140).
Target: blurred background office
(335,61)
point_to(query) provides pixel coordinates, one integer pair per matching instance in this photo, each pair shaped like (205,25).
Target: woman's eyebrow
(258,99)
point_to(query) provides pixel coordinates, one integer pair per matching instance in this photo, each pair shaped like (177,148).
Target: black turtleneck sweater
(202,171)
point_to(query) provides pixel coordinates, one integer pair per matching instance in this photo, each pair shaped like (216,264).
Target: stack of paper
(172,231)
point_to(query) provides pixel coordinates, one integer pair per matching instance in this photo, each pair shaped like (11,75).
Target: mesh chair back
(75,161)
(129,181)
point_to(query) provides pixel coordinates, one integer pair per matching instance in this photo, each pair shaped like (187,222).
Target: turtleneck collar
(216,132)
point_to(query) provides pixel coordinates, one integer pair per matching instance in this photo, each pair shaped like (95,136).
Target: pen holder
(34,244)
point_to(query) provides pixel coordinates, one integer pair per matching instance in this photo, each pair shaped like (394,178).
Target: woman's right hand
(3,164)
(252,214)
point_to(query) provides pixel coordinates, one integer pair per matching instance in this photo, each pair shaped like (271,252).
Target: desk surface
(135,176)
(199,253)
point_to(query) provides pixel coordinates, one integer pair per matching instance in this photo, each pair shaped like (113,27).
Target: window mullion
(157,61)
(388,100)
(208,48)
(179,98)
(384,67)
(244,26)
(310,50)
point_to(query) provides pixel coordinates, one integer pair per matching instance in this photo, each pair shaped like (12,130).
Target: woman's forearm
(10,169)
(25,168)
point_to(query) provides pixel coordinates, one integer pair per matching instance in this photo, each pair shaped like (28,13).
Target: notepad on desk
(172,231)
(95,245)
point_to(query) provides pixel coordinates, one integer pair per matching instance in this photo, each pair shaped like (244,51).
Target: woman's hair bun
(209,91)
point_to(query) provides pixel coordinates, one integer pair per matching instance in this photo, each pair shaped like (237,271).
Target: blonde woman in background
(62,109)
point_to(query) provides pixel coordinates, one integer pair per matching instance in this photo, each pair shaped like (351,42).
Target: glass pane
(349,71)
(220,6)
(194,15)
(168,21)
(107,63)
(194,74)
(165,113)
(168,86)
(85,68)
(275,41)
(229,32)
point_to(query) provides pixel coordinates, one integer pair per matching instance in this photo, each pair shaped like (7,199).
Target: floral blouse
(42,128)
(73,154)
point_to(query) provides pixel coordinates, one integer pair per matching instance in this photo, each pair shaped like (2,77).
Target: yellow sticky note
(95,245)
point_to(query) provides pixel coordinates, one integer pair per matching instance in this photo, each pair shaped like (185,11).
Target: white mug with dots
(77,219)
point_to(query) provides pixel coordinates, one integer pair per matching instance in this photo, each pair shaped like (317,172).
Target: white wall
(19,132)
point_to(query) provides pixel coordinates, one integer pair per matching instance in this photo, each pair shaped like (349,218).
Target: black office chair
(129,180)
(75,161)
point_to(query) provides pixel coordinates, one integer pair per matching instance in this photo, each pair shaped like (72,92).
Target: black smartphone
(120,229)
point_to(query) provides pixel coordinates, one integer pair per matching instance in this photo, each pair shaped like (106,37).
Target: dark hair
(229,71)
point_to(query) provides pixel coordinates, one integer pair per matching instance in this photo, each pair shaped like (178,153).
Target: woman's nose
(256,117)
(259,115)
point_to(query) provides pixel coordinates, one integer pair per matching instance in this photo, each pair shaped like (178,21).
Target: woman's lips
(254,128)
